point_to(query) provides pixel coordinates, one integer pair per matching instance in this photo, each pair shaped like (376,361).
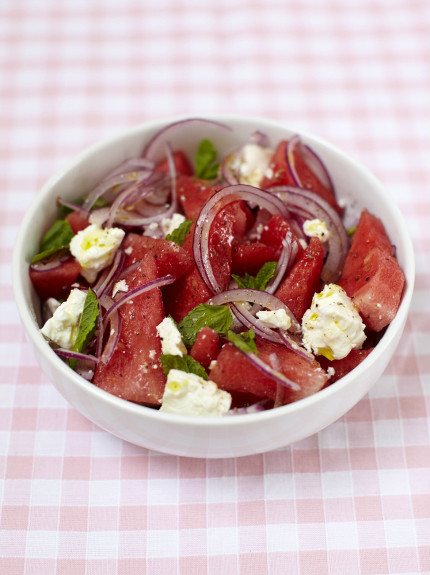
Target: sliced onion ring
(183,130)
(213,206)
(316,165)
(114,323)
(70,354)
(310,205)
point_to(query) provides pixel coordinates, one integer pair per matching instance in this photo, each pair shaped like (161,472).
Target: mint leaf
(88,322)
(218,317)
(56,238)
(260,281)
(206,168)
(179,234)
(185,363)
(244,341)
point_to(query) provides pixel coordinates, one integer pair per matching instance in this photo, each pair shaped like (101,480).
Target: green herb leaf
(351,231)
(185,363)
(88,322)
(56,238)
(260,281)
(244,341)
(179,234)
(218,317)
(206,168)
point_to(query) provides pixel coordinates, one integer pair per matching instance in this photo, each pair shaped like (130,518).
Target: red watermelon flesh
(275,231)
(371,275)
(183,295)
(206,346)
(234,372)
(57,282)
(182,164)
(298,288)
(343,366)
(78,221)
(370,233)
(382,282)
(134,371)
(249,257)
(278,169)
(168,256)
(193,194)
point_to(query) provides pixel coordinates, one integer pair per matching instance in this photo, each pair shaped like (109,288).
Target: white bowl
(207,437)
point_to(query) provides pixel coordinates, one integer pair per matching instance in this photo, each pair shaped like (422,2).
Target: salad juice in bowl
(213,287)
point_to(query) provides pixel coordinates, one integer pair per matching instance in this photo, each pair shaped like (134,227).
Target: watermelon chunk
(249,257)
(343,366)
(182,164)
(183,295)
(371,275)
(233,372)
(57,282)
(278,169)
(298,288)
(134,371)
(206,346)
(78,221)
(168,256)
(193,194)
(274,233)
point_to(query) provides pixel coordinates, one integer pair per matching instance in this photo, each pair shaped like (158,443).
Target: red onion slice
(70,354)
(263,198)
(313,161)
(286,259)
(112,182)
(109,275)
(49,265)
(262,298)
(180,132)
(72,206)
(130,165)
(114,323)
(310,205)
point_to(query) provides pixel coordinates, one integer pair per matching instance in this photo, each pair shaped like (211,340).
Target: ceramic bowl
(237,435)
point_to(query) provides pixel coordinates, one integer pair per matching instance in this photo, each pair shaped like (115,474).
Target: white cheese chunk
(171,339)
(276,319)
(62,327)
(119,286)
(252,164)
(168,225)
(316,228)
(332,325)
(95,248)
(189,394)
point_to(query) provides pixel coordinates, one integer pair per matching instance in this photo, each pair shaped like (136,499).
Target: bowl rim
(44,348)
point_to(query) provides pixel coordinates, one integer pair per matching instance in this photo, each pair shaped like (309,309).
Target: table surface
(353,499)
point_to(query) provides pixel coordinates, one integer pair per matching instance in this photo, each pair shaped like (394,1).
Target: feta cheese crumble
(168,225)
(252,164)
(119,286)
(189,394)
(276,319)
(316,228)
(95,248)
(171,339)
(332,325)
(62,327)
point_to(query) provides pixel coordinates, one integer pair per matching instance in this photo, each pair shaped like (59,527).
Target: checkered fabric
(353,499)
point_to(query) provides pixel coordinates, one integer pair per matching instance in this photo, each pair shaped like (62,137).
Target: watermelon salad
(215,282)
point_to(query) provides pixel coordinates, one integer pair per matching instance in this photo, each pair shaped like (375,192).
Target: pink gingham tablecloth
(353,499)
